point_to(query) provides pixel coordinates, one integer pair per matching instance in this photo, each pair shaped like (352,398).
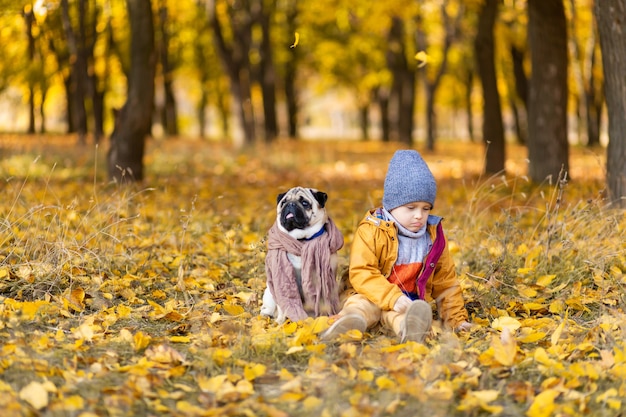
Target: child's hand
(464,327)
(402,304)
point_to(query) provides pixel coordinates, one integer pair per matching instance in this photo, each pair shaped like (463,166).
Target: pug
(300,214)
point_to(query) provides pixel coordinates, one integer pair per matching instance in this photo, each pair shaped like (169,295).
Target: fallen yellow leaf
(543,404)
(365,375)
(77,299)
(294,349)
(180,339)
(554,339)
(383,382)
(220,355)
(164,354)
(233,309)
(35,394)
(211,384)
(545,280)
(507,322)
(253,371)
(504,348)
(141,341)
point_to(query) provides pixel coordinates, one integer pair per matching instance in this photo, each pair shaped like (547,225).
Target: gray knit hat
(408,179)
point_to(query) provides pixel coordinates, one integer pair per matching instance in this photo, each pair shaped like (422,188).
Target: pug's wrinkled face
(300,212)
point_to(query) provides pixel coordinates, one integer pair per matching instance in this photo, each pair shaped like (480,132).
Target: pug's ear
(320,196)
(280,197)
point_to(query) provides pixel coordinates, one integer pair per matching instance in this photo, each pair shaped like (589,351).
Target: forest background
(142,298)
(134,64)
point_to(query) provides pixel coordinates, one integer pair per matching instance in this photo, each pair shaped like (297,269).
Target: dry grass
(94,277)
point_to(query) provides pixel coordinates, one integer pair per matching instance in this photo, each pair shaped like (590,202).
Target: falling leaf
(297,39)
(423,58)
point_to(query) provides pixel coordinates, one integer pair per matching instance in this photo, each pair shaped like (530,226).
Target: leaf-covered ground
(144,299)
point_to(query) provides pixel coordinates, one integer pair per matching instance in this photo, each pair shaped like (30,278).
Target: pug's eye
(305,204)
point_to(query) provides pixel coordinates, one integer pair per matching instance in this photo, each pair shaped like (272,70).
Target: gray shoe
(417,322)
(343,325)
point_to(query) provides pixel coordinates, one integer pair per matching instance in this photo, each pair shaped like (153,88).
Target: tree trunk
(236,63)
(611,15)
(291,98)
(364,121)
(133,123)
(519,100)
(169,113)
(382,98)
(291,66)
(595,96)
(521,80)
(69,98)
(96,87)
(451,26)
(548,149)
(493,128)
(519,120)
(402,97)
(42,113)
(29,20)
(468,104)
(78,60)
(201,112)
(268,72)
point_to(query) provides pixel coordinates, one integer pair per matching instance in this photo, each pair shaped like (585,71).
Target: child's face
(412,216)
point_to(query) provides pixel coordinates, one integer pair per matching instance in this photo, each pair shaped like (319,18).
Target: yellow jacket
(374,252)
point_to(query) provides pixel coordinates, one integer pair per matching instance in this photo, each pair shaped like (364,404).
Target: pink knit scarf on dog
(321,295)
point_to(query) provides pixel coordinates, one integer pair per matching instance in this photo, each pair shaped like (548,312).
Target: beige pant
(359,304)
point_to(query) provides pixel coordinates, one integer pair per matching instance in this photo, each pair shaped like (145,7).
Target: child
(400,260)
